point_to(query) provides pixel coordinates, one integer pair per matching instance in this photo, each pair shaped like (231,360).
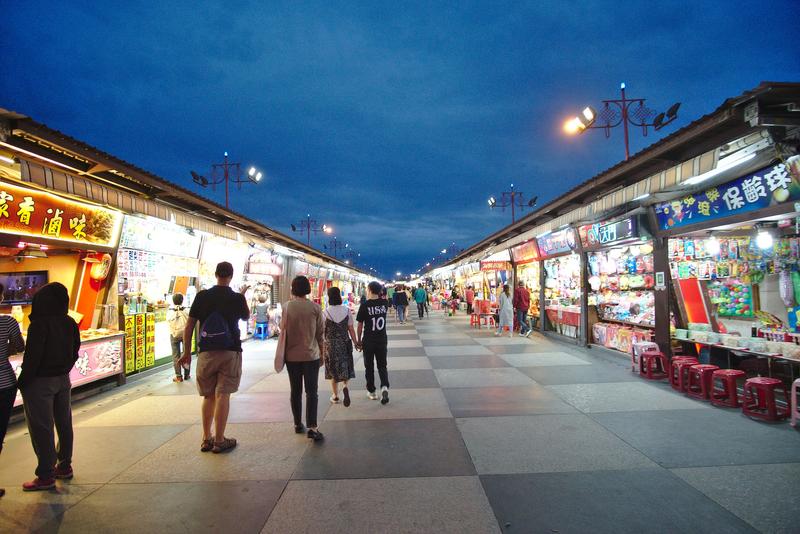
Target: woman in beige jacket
(303,327)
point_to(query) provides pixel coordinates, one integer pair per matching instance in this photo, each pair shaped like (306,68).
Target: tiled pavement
(482,434)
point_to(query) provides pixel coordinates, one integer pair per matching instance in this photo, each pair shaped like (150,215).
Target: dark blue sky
(394,122)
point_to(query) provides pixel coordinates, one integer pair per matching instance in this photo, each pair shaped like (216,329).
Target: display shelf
(776,355)
(629,323)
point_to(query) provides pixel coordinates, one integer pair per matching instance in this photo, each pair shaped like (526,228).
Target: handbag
(280,352)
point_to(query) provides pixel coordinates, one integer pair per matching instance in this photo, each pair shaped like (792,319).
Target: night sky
(393,122)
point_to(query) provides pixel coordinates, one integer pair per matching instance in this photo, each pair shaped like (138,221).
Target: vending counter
(100,356)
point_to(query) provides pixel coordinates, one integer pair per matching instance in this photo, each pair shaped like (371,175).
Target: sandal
(225,445)
(207,444)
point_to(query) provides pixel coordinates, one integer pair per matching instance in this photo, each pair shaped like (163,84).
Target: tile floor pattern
(482,434)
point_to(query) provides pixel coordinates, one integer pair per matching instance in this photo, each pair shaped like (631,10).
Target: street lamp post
(618,112)
(308,225)
(514,199)
(227,172)
(335,246)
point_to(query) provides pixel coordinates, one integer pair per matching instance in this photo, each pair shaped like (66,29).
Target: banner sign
(495,266)
(766,187)
(525,253)
(30,212)
(559,242)
(605,233)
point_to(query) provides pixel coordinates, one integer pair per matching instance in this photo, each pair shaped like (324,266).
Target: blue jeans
(401,313)
(522,319)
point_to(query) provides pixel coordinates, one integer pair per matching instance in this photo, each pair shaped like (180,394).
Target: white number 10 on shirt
(378,324)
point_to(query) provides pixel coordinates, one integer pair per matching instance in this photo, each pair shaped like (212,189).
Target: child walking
(177,316)
(373,341)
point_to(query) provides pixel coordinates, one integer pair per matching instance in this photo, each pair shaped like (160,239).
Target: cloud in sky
(391,121)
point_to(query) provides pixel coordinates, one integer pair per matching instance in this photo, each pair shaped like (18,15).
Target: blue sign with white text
(766,187)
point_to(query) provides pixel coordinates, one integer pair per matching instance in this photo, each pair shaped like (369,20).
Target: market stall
(529,272)
(562,283)
(621,298)
(156,260)
(50,238)
(737,282)
(263,272)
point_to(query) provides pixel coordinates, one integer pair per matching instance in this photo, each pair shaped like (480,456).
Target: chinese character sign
(766,187)
(31,212)
(604,233)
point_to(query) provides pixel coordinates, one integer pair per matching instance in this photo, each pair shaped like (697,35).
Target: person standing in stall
(50,354)
(11,342)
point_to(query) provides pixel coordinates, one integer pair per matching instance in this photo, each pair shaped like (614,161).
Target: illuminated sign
(31,212)
(605,233)
(155,235)
(525,253)
(560,242)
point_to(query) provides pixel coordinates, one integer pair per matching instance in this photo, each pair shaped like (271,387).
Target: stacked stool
(636,352)
(653,365)
(699,383)
(725,388)
(679,371)
(759,399)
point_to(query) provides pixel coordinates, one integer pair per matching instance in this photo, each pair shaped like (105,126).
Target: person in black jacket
(400,303)
(51,352)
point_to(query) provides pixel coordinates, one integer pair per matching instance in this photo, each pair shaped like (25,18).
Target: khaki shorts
(218,371)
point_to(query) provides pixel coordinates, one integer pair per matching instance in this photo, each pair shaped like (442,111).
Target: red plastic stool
(653,365)
(759,398)
(699,384)
(676,376)
(728,393)
(474,320)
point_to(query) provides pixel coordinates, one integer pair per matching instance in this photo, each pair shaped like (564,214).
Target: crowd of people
(310,338)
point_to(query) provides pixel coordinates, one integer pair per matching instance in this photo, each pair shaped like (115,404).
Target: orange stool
(676,376)
(759,399)
(699,384)
(728,393)
(653,365)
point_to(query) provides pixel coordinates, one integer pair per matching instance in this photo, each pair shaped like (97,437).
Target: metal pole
(225,171)
(308,230)
(513,216)
(625,121)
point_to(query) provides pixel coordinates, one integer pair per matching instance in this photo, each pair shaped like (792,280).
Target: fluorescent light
(642,197)
(563,226)
(712,246)
(723,165)
(6,159)
(764,240)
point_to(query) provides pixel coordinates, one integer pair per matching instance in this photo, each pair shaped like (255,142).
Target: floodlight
(532,202)
(202,181)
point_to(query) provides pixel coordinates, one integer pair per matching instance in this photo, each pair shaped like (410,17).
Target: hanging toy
(786,289)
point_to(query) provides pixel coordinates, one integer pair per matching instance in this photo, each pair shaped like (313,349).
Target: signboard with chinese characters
(139,345)
(30,212)
(606,233)
(155,235)
(150,340)
(559,242)
(130,342)
(525,253)
(495,266)
(766,187)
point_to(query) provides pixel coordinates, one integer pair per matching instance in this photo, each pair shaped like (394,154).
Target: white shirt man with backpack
(219,363)
(177,317)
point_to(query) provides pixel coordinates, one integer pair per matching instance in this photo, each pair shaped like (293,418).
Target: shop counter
(564,315)
(769,355)
(100,356)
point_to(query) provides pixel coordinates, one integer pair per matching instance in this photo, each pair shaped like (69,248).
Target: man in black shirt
(219,364)
(372,325)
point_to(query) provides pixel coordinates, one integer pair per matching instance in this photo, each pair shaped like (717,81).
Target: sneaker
(372,396)
(521,334)
(334,400)
(187,377)
(177,379)
(497,334)
(299,429)
(346,393)
(315,435)
(384,395)
(37,484)
(64,473)
(528,333)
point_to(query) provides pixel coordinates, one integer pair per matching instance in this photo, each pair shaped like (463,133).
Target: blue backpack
(215,333)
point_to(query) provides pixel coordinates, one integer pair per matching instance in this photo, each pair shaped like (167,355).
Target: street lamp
(619,112)
(227,172)
(513,199)
(308,225)
(334,246)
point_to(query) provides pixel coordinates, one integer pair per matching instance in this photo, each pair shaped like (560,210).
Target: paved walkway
(482,434)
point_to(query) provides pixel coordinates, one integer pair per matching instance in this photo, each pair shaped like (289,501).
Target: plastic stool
(653,365)
(474,320)
(759,399)
(488,319)
(636,352)
(676,377)
(795,407)
(699,384)
(728,394)
(261,331)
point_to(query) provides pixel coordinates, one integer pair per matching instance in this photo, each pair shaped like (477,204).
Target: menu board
(150,340)
(130,342)
(139,345)
(155,235)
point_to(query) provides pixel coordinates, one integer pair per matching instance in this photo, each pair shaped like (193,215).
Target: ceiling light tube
(722,166)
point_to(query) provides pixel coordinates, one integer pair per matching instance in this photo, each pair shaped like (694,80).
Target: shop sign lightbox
(30,212)
(766,187)
(495,266)
(525,253)
(155,235)
(605,233)
(559,242)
